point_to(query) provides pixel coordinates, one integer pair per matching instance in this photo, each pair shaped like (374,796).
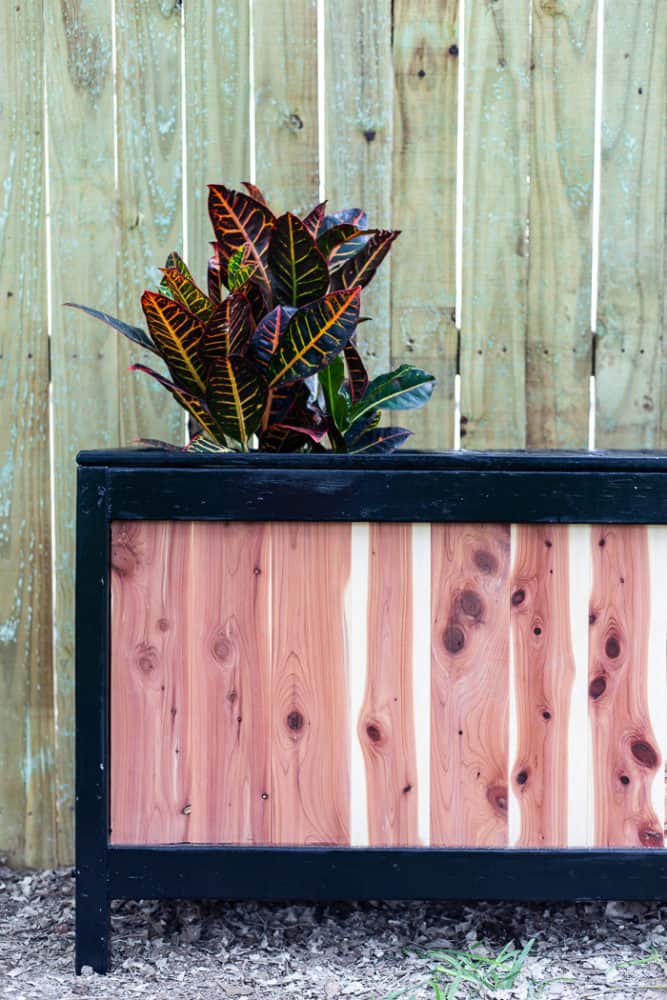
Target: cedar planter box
(330,677)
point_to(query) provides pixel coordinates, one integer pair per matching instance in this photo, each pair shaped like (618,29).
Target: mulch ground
(212,950)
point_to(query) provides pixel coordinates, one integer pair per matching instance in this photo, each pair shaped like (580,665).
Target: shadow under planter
(421,676)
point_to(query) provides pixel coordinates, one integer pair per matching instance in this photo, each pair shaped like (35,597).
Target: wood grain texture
(84,354)
(217,70)
(423,259)
(229,678)
(631,305)
(626,755)
(495,206)
(544,671)
(310,794)
(152,605)
(150,189)
(470,680)
(386,726)
(286,115)
(356,621)
(559,340)
(358,117)
(27,810)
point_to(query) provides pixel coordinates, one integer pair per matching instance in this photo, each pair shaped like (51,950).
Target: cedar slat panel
(626,755)
(27,787)
(229,678)
(495,208)
(309,701)
(470,684)
(631,306)
(386,726)
(152,615)
(559,340)
(423,259)
(544,671)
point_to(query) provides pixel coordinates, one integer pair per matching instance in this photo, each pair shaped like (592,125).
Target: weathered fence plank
(358,140)
(631,304)
(559,340)
(27,812)
(150,189)
(423,260)
(495,204)
(286,113)
(85,247)
(217,71)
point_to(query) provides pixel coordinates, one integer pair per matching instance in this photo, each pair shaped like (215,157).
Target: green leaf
(299,271)
(195,407)
(178,337)
(314,336)
(357,376)
(133,333)
(236,397)
(238,219)
(362,267)
(184,290)
(239,269)
(406,388)
(331,379)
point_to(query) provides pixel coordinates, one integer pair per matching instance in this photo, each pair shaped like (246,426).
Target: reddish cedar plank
(386,725)
(544,675)
(469,684)
(310,565)
(150,770)
(230,656)
(625,750)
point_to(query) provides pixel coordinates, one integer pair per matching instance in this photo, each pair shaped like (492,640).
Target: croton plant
(267,358)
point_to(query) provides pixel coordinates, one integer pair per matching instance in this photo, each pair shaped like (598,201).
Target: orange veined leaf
(177,334)
(360,269)
(195,407)
(228,330)
(185,291)
(236,397)
(314,336)
(238,219)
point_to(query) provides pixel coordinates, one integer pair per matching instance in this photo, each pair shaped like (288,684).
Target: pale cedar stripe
(312,344)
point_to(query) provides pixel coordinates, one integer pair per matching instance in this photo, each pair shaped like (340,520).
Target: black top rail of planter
(509,486)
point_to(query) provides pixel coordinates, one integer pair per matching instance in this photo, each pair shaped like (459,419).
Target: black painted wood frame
(577,487)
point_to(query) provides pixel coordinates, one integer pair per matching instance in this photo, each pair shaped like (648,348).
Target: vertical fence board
(632,226)
(84,254)
(309,701)
(423,260)
(27,814)
(150,193)
(358,140)
(286,114)
(386,724)
(626,754)
(559,341)
(470,684)
(495,193)
(229,678)
(217,71)
(544,672)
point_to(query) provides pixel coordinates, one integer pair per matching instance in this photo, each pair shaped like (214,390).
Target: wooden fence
(115,114)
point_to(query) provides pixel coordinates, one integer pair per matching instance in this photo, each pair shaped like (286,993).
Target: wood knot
(496,796)
(612,647)
(598,686)
(624,780)
(147,658)
(649,837)
(522,777)
(369,134)
(546,715)
(222,648)
(644,753)
(163,624)
(373,732)
(518,597)
(471,604)
(453,50)
(232,696)
(295,721)
(408,788)
(453,639)
(295,122)
(123,560)
(592,618)
(485,561)
(186,810)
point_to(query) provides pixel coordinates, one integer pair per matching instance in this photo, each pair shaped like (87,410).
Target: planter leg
(92,924)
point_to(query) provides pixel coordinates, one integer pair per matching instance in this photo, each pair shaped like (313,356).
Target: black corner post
(92,659)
